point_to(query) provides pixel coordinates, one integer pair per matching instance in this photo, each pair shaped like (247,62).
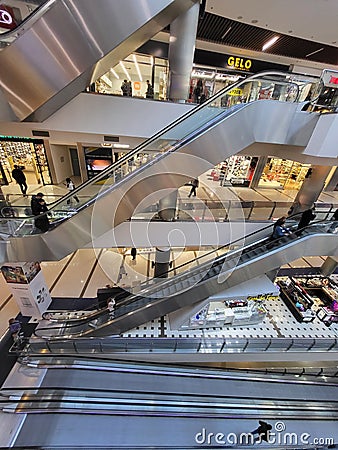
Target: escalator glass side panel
(170,139)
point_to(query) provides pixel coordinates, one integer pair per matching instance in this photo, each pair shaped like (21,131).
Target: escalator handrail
(109,170)
(9,36)
(159,285)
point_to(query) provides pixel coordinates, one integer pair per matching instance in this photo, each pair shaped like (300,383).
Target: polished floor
(80,274)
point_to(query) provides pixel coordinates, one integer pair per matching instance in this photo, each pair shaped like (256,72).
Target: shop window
(30,155)
(235,171)
(283,173)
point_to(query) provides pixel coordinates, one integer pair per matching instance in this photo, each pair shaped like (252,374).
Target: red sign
(7,19)
(333,80)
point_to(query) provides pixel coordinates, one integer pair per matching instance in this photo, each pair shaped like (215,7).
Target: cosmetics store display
(228,313)
(309,296)
(235,171)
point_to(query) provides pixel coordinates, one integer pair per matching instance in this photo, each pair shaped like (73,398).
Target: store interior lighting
(269,43)
(114,73)
(121,145)
(125,70)
(137,68)
(107,80)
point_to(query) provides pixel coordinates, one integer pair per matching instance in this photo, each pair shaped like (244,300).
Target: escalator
(191,145)
(51,56)
(197,280)
(158,406)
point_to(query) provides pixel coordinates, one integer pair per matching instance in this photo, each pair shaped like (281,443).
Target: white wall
(61,162)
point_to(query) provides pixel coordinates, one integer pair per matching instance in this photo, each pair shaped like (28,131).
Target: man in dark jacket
(20,178)
(306,218)
(39,209)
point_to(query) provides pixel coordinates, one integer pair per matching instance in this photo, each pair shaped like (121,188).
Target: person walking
(305,219)
(125,88)
(130,89)
(194,186)
(150,90)
(39,209)
(20,178)
(133,253)
(263,431)
(71,186)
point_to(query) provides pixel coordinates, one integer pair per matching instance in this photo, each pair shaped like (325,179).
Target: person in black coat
(20,178)
(39,208)
(263,431)
(306,218)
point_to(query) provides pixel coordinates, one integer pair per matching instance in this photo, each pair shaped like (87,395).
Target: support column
(28,287)
(333,183)
(167,207)
(261,163)
(311,189)
(329,266)
(162,262)
(181,53)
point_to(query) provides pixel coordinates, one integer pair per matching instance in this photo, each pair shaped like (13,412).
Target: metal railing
(201,346)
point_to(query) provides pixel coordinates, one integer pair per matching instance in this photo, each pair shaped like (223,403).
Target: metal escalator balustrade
(170,139)
(190,283)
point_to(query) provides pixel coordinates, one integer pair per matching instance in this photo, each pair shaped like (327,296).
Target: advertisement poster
(28,286)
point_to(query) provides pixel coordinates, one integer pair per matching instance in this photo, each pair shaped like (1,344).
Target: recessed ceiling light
(334,42)
(270,42)
(254,21)
(290,31)
(240,17)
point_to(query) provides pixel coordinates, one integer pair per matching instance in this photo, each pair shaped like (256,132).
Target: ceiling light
(312,53)
(137,68)
(114,73)
(270,42)
(121,145)
(227,31)
(125,70)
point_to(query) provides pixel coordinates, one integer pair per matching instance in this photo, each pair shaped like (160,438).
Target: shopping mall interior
(169,255)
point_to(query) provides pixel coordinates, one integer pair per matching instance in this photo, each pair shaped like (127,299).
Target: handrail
(184,137)
(9,36)
(149,288)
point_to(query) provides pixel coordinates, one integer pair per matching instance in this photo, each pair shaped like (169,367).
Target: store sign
(263,297)
(330,78)
(237,92)
(7,19)
(239,63)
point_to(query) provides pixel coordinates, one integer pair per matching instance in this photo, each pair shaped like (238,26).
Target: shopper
(125,88)
(71,186)
(194,186)
(150,90)
(335,216)
(130,89)
(14,328)
(133,253)
(305,219)
(334,219)
(263,431)
(111,307)
(20,178)
(279,229)
(39,209)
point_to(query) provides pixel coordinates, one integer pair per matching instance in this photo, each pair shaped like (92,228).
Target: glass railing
(180,132)
(34,11)
(109,345)
(215,263)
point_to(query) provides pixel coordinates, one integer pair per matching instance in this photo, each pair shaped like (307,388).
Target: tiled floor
(83,272)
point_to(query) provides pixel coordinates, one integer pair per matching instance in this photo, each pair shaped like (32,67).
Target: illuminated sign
(239,63)
(330,78)
(263,297)
(7,19)
(236,92)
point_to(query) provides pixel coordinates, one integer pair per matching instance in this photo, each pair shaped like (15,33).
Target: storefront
(283,174)
(309,296)
(29,154)
(235,171)
(137,69)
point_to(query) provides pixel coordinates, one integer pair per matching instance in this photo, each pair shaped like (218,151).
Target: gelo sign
(239,63)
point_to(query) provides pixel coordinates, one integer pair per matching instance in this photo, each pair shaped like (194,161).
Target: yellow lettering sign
(239,63)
